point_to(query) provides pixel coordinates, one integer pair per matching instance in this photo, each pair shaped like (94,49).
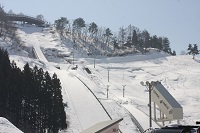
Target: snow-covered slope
(179,74)
(7,127)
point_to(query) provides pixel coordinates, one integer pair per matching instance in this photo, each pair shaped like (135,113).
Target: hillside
(179,74)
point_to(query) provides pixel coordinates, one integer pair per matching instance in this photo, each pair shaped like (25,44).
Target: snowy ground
(179,74)
(7,127)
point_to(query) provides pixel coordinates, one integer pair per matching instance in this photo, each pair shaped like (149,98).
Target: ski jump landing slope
(39,54)
(87,108)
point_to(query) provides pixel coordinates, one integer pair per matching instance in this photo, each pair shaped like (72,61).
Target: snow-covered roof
(102,126)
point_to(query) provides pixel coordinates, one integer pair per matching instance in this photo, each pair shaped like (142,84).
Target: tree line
(30,98)
(128,37)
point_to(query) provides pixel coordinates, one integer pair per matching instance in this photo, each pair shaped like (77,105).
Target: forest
(30,98)
(126,38)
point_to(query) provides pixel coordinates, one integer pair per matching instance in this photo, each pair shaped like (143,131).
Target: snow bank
(7,127)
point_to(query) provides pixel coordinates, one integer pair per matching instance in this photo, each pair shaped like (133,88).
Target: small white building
(111,126)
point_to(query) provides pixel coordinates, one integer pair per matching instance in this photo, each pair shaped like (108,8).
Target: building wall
(112,129)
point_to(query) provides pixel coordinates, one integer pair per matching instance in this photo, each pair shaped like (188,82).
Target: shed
(111,126)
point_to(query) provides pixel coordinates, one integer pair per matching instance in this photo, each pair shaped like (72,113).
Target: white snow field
(179,74)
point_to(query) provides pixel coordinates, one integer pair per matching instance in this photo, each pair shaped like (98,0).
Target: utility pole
(108,75)
(73,51)
(149,87)
(94,60)
(150,117)
(107,90)
(123,89)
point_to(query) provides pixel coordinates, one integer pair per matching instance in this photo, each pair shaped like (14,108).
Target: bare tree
(121,35)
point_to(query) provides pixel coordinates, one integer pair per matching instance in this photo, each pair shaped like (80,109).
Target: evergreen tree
(154,41)
(93,29)
(115,44)
(193,50)
(160,45)
(61,24)
(78,24)
(27,89)
(58,113)
(14,85)
(174,52)
(4,71)
(30,99)
(134,38)
(189,49)
(41,102)
(108,34)
(166,45)
(146,39)
(48,122)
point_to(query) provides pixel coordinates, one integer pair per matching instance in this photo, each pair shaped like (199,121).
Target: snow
(7,127)
(140,117)
(85,104)
(179,74)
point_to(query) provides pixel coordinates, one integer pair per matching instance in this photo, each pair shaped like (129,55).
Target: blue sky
(179,20)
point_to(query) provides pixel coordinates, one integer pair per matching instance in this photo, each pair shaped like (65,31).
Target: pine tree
(92,29)
(146,39)
(41,101)
(4,71)
(160,45)
(193,50)
(190,49)
(61,24)
(14,85)
(134,38)
(174,52)
(58,113)
(107,34)
(115,44)
(47,101)
(27,98)
(78,24)
(166,45)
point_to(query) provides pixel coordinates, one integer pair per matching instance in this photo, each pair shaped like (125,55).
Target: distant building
(111,126)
